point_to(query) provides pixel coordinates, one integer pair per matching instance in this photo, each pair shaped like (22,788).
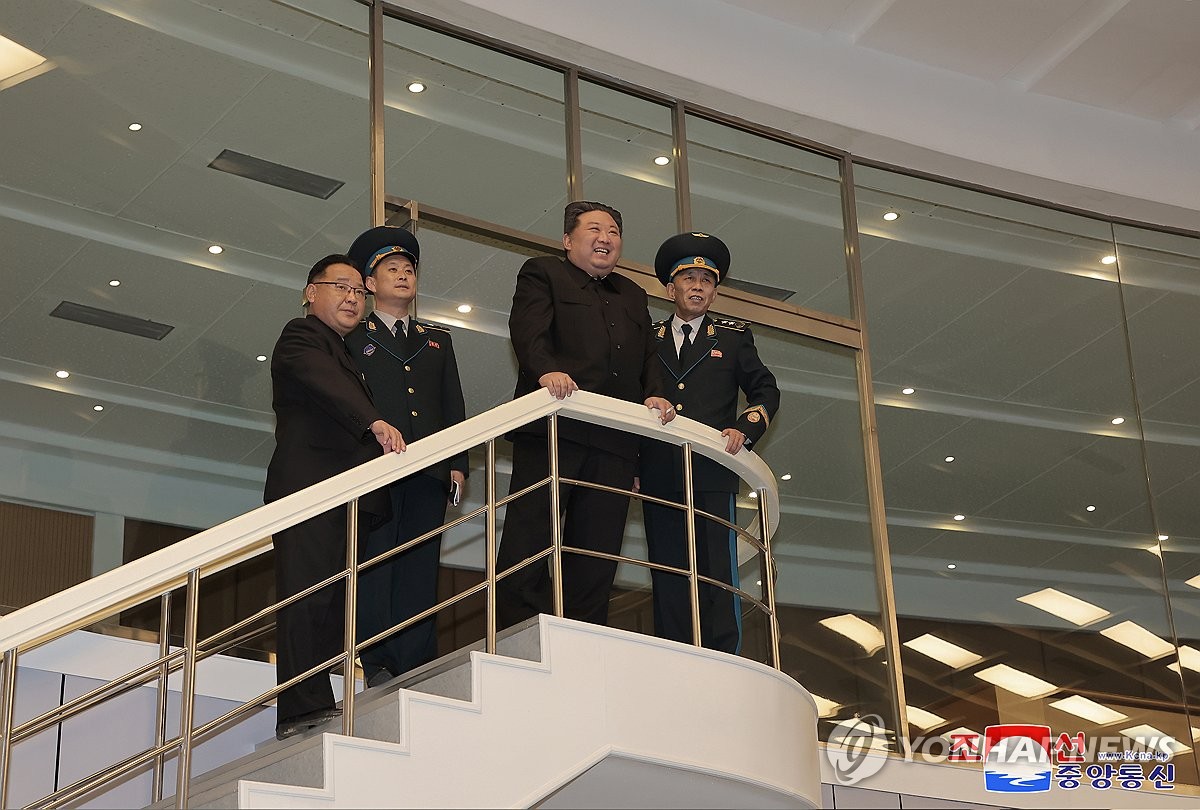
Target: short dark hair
(328,261)
(575,210)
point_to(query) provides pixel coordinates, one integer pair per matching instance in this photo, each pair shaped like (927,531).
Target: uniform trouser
(404,585)
(313,629)
(666,539)
(594,520)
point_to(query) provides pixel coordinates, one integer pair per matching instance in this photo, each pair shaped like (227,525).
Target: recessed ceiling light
(785,477)
(62,375)
(1139,639)
(1163,537)
(941,650)
(1065,606)
(1109,260)
(16,59)
(908,391)
(116,282)
(416,87)
(1120,420)
(262,358)
(951,566)
(1089,710)
(662,160)
(1090,507)
(215,249)
(960,517)
(97,408)
(863,633)
(1154,739)
(924,720)
(753,495)
(464,308)
(949,459)
(891,216)
(1016,681)
(135,127)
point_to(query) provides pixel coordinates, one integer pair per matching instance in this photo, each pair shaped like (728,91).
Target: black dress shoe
(379,678)
(303,722)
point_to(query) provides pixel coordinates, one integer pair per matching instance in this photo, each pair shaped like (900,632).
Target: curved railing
(185,563)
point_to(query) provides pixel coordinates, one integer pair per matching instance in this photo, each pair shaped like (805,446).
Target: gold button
(414,413)
(408,368)
(682,386)
(679,407)
(412,391)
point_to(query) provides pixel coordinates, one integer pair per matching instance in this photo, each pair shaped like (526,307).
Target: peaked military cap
(686,250)
(373,246)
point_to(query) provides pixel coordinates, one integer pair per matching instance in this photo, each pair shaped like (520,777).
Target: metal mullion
(574,135)
(489,560)
(375,102)
(187,698)
(683,182)
(160,704)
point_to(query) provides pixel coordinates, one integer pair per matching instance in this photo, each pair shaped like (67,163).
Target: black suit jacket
(596,331)
(323,413)
(721,362)
(414,381)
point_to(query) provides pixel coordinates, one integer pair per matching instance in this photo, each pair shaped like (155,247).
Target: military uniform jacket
(323,413)
(414,381)
(596,331)
(721,361)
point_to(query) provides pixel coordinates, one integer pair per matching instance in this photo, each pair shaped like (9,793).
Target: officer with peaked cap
(413,375)
(706,362)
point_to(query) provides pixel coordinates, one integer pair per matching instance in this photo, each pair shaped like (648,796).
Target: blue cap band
(695,261)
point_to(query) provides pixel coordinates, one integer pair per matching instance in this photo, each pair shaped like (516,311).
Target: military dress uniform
(415,384)
(704,380)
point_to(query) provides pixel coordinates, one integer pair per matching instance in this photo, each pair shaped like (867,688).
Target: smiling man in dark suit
(707,362)
(413,374)
(325,424)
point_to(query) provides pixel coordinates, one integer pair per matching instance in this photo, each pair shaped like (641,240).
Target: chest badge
(368,350)
(435,344)
(715,353)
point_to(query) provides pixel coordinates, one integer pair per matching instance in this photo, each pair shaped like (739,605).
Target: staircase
(566,714)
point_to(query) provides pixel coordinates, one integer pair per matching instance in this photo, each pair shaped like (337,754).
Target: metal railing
(183,565)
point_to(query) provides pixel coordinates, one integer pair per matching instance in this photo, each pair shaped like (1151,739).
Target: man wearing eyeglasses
(325,424)
(413,374)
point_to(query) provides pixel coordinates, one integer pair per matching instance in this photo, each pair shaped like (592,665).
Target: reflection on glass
(626,145)
(998,341)
(485,138)
(778,208)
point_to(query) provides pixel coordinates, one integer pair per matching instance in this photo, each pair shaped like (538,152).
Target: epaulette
(739,326)
(428,325)
(660,329)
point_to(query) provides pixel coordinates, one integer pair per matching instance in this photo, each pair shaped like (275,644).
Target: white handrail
(247,535)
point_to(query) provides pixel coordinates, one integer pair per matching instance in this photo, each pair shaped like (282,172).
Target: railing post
(689,498)
(351,614)
(769,576)
(187,700)
(489,558)
(555,511)
(7,701)
(160,708)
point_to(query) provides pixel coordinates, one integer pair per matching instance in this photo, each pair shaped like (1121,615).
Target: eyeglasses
(344,289)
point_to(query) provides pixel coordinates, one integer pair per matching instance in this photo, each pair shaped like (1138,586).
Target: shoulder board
(657,324)
(739,326)
(436,326)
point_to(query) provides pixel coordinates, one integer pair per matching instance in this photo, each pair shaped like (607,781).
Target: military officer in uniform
(706,362)
(413,375)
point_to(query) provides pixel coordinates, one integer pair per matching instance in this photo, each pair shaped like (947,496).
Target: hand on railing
(666,411)
(388,437)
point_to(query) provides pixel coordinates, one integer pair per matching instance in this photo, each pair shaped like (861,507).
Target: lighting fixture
(135,127)
(1139,639)
(939,649)
(662,160)
(1109,260)
(924,720)
(1189,657)
(1120,420)
(908,391)
(960,517)
(861,632)
(1194,581)
(416,87)
(951,566)
(62,375)
(97,408)
(753,495)
(16,59)
(891,216)
(262,358)
(1090,507)
(949,459)
(215,249)
(1151,737)
(1016,681)
(1162,538)
(1064,606)
(785,477)
(1088,710)
(464,308)
(116,282)
(825,706)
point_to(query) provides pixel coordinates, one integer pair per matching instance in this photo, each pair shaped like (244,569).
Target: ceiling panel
(32,255)
(178,435)
(44,408)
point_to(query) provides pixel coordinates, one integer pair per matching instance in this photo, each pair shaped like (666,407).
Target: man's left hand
(734,440)
(666,411)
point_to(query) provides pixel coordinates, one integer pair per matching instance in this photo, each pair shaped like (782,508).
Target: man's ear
(566,241)
(370,283)
(310,294)
(671,290)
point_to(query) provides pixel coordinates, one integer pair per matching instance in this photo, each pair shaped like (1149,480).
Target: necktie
(685,344)
(400,331)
